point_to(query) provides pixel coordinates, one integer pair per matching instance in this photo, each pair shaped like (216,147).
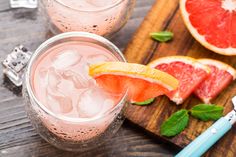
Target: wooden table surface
(17,137)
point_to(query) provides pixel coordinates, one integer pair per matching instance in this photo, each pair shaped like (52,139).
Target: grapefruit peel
(134,71)
(220,65)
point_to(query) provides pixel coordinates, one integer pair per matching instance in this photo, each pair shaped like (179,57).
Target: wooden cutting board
(165,15)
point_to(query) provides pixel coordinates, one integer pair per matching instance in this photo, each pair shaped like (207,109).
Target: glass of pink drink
(102,17)
(65,105)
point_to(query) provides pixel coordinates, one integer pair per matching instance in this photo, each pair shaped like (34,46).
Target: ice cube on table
(66,59)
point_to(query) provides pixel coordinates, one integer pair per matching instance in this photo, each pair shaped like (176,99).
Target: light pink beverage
(62,84)
(101,17)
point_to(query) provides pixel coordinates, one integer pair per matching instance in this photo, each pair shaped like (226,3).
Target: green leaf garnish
(175,124)
(163,36)
(207,112)
(147,102)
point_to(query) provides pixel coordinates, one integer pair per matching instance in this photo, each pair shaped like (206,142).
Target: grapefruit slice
(142,82)
(212,23)
(220,77)
(187,70)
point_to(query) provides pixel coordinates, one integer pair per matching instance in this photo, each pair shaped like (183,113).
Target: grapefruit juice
(101,17)
(71,106)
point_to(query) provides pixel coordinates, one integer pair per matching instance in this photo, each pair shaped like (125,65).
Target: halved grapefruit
(220,77)
(142,82)
(212,23)
(187,70)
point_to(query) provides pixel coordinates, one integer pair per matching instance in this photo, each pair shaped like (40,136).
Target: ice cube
(97,58)
(57,100)
(43,73)
(53,78)
(82,74)
(90,103)
(59,104)
(77,79)
(43,76)
(66,59)
(107,105)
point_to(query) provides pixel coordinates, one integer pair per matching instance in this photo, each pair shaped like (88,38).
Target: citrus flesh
(220,77)
(187,70)
(212,23)
(142,82)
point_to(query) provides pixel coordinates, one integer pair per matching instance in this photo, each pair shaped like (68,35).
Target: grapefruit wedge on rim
(142,82)
(212,23)
(187,70)
(220,77)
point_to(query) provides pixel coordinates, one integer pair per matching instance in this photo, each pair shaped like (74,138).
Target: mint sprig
(163,36)
(175,124)
(179,120)
(144,103)
(206,112)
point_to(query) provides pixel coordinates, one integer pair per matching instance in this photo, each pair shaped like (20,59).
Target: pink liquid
(74,17)
(62,84)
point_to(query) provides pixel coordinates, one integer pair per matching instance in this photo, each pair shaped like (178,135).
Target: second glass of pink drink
(65,105)
(102,17)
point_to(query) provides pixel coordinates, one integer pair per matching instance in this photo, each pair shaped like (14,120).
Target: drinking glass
(69,133)
(102,17)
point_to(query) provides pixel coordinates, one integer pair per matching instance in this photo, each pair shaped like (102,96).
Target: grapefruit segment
(142,82)
(188,71)
(220,77)
(212,23)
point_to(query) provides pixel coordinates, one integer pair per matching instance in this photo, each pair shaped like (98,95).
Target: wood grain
(165,15)
(17,137)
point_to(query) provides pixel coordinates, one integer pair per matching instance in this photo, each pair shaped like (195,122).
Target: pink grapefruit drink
(71,107)
(102,17)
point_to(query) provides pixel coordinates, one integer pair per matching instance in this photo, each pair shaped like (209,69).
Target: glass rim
(91,10)
(37,53)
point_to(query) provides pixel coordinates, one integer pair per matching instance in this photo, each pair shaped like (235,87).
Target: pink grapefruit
(142,82)
(212,23)
(220,77)
(187,70)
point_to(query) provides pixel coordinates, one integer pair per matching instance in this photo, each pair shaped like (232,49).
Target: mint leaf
(175,124)
(147,102)
(163,36)
(207,112)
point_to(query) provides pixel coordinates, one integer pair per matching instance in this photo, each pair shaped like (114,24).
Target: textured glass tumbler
(66,16)
(72,134)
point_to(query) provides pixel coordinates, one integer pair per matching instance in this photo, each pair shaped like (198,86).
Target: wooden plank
(4,5)
(165,15)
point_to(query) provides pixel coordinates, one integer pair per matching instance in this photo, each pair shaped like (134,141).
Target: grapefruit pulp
(220,77)
(142,82)
(212,23)
(187,70)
